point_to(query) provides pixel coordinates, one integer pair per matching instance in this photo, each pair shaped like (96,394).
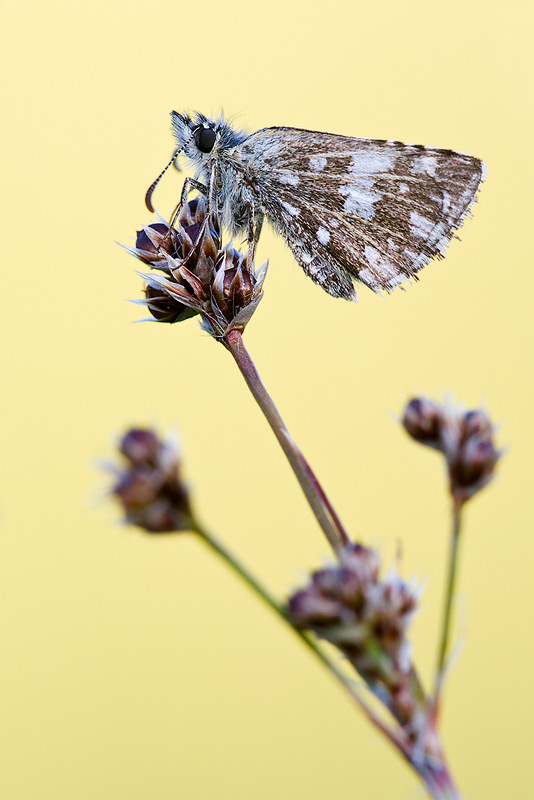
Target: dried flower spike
(464,438)
(200,277)
(366,618)
(472,464)
(422,420)
(149,488)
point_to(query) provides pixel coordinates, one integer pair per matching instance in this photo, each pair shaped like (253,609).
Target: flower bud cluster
(149,488)
(199,275)
(464,438)
(366,617)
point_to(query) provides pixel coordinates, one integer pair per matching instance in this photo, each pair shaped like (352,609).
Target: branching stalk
(434,773)
(306,639)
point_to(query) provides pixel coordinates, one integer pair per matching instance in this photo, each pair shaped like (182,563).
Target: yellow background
(135,667)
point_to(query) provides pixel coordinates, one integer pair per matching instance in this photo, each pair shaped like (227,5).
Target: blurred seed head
(199,275)
(473,466)
(140,447)
(366,617)
(422,420)
(475,423)
(149,486)
(464,437)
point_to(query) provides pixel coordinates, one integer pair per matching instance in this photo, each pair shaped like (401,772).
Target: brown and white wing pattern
(372,210)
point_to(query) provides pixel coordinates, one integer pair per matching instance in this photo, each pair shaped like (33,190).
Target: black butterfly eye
(205,139)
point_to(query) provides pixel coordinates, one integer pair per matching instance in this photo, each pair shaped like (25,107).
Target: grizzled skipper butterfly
(349,209)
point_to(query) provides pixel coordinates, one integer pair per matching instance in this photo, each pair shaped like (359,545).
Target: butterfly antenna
(150,192)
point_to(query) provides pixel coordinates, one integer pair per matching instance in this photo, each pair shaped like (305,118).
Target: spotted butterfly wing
(365,209)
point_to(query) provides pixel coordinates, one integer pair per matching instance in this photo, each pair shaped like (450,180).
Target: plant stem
(305,638)
(434,775)
(438,781)
(449,601)
(319,502)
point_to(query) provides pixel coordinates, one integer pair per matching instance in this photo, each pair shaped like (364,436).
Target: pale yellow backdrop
(136,668)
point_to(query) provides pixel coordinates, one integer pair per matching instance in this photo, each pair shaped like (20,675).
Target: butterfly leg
(210,193)
(189,183)
(254,226)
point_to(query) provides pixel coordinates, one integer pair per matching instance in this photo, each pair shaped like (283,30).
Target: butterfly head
(201,139)
(196,137)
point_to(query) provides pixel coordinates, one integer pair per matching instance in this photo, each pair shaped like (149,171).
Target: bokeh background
(137,667)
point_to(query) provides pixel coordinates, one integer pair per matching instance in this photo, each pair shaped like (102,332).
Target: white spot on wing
(468,195)
(368,277)
(372,255)
(359,201)
(291,209)
(422,226)
(323,236)
(426,164)
(317,163)
(373,162)
(381,266)
(290,179)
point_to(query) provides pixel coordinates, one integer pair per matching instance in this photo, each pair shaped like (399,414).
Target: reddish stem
(316,496)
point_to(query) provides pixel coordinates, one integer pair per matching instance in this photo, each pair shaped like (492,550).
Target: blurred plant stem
(261,592)
(449,602)
(319,502)
(429,765)
(438,781)
(432,770)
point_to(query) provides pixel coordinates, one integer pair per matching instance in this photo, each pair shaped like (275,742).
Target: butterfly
(369,210)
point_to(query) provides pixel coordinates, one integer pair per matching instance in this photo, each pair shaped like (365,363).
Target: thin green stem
(317,498)
(433,772)
(261,592)
(449,601)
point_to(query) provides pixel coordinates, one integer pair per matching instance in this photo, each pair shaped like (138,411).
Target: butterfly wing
(366,209)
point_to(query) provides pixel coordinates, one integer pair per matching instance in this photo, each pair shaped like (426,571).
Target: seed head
(464,438)
(366,617)
(422,420)
(153,241)
(199,275)
(149,486)
(164,308)
(473,466)
(140,447)
(475,423)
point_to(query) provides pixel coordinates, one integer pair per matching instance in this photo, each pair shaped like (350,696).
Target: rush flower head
(199,275)
(464,437)
(366,618)
(471,453)
(423,420)
(149,487)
